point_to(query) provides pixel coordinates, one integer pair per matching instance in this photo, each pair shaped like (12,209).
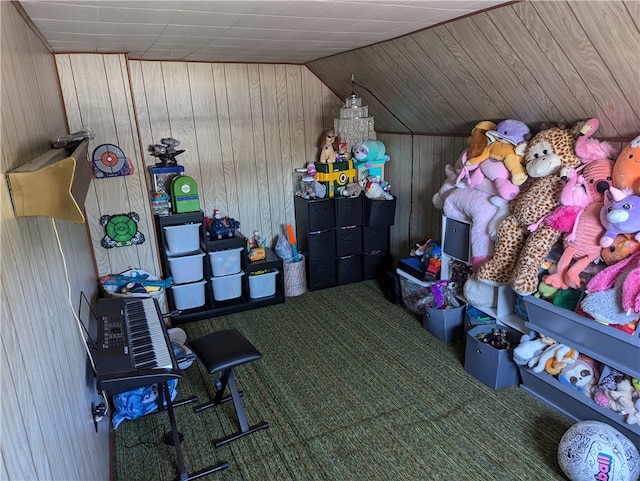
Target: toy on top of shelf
(166,152)
(368,152)
(222,226)
(328,146)
(626,174)
(619,215)
(518,253)
(507,144)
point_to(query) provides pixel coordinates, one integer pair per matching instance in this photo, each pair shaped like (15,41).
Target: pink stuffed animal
(496,172)
(604,282)
(473,205)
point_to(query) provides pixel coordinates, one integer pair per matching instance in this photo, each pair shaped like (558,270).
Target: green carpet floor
(354,389)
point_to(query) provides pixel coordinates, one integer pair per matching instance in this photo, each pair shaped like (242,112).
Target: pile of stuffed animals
(607,386)
(559,191)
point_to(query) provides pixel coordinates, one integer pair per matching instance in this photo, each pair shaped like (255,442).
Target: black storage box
(348,241)
(349,269)
(375,238)
(321,274)
(379,212)
(375,264)
(322,245)
(348,211)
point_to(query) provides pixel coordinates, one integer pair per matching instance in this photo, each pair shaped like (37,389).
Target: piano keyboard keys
(146,335)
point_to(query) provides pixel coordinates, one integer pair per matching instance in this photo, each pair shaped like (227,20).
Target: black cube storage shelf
(339,245)
(211,307)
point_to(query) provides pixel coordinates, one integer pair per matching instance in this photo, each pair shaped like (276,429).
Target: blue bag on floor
(138,402)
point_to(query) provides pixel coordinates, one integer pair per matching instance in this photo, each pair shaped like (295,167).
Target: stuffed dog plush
(328,147)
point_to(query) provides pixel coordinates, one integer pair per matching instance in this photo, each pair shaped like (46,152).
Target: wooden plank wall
(47,389)
(97,94)
(244,127)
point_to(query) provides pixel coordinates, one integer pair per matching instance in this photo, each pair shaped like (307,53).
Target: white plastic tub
(187,268)
(227,287)
(188,296)
(182,238)
(225,262)
(263,285)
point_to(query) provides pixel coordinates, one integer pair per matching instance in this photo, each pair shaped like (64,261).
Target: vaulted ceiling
(431,67)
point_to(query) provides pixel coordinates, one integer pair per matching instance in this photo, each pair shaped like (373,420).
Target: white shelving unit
(456,245)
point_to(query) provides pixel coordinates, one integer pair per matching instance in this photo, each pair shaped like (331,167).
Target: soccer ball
(592,450)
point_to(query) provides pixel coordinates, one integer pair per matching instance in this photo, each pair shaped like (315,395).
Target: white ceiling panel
(291,31)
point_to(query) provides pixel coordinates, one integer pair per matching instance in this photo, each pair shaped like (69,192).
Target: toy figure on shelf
(222,226)
(166,152)
(328,147)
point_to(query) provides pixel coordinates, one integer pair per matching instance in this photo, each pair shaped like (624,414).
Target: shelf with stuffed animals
(580,196)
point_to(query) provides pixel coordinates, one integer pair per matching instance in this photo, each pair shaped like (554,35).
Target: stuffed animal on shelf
(352,189)
(368,152)
(328,146)
(619,215)
(518,253)
(581,246)
(623,400)
(553,359)
(474,205)
(478,140)
(609,379)
(613,294)
(626,173)
(531,345)
(623,246)
(507,144)
(583,375)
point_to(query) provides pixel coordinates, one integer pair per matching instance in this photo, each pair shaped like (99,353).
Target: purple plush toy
(619,215)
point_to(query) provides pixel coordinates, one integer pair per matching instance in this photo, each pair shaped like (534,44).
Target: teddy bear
(619,215)
(626,174)
(583,375)
(623,400)
(518,253)
(507,144)
(473,205)
(328,146)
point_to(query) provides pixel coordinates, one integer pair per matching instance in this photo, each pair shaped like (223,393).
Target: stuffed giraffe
(518,254)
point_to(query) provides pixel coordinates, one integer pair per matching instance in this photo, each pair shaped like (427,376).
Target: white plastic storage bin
(187,268)
(188,296)
(225,262)
(182,238)
(227,287)
(263,285)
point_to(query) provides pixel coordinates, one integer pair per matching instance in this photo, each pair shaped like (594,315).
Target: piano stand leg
(184,475)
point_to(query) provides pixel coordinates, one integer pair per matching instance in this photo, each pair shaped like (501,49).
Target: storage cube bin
(227,287)
(182,238)
(321,274)
(322,245)
(349,269)
(493,367)
(348,241)
(445,324)
(375,238)
(379,212)
(225,262)
(374,264)
(188,296)
(187,268)
(263,285)
(348,211)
